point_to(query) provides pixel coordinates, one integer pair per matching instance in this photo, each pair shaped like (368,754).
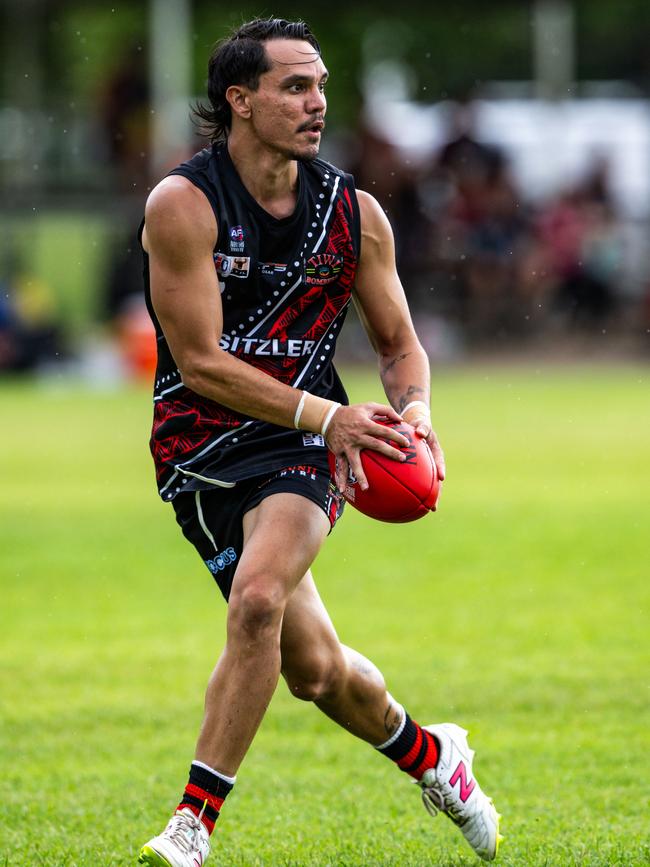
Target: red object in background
(137,339)
(398,491)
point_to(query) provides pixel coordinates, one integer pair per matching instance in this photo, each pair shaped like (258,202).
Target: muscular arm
(180,235)
(380,300)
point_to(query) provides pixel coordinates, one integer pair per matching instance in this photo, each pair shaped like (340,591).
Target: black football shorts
(212,520)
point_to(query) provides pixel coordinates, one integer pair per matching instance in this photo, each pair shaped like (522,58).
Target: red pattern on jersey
(199,419)
(339,241)
(188,427)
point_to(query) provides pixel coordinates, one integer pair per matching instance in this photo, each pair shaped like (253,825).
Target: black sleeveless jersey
(285,286)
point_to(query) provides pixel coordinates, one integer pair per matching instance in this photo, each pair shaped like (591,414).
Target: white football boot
(185,842)
(451,788)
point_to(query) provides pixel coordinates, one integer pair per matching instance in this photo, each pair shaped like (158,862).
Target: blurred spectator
(124,114)
(29,334)
(383,172)
(480,232)
(583,241)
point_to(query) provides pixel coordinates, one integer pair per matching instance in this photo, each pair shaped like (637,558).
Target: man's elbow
(203,375)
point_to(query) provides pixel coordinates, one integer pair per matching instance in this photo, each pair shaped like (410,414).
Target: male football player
(253,250)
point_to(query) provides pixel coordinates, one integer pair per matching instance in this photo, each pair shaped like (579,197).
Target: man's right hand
(353,428)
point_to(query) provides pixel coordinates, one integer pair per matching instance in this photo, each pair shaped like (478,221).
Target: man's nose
(316,101)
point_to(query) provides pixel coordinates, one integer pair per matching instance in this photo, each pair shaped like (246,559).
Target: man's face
(288,108)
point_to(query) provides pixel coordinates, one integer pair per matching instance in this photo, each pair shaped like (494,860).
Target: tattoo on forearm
(392,719)
(412,392)
(392,363)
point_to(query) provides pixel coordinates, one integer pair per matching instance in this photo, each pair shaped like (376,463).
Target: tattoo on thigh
(392,719)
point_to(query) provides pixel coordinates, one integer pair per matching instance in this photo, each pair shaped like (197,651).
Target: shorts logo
(224,558)
(323,268)
(237,239)
(313,439)
(300,470)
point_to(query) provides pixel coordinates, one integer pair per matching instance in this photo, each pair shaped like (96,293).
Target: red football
(398,491)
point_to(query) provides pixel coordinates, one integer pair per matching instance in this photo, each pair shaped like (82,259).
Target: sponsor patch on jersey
(323,268)
(222,264)
(313,439)
(237,239)
(292,348)
(240,266)
(268,269)
(231,266)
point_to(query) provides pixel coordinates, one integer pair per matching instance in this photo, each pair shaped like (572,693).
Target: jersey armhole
(205,189)
(350,196)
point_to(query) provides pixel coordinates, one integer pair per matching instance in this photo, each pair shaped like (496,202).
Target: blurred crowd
(474,251)
(481,265)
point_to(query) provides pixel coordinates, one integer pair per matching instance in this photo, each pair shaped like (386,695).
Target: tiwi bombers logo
(323,268)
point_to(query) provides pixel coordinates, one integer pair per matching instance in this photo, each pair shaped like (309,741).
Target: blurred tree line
(58,55)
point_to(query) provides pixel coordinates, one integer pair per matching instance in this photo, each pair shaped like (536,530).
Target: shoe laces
(433,801)
(183,829)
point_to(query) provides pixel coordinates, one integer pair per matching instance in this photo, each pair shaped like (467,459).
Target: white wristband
(299,409)
(328,417)
(416,403)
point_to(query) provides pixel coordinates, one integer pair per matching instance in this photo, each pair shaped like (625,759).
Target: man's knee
(319,677)
(255,609)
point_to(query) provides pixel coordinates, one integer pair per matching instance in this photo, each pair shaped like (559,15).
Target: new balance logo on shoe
(466,788)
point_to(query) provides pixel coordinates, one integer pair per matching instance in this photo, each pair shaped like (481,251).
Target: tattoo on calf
(407,397)
(392,719)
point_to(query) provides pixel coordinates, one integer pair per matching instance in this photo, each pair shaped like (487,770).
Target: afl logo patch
(323,268)
(237,239)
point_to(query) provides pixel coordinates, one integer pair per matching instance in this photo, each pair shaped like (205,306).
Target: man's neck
(270,178)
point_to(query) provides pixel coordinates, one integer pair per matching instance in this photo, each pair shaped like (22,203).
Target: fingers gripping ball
(398,492)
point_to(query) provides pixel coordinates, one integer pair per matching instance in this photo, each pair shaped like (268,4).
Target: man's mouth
(312,126)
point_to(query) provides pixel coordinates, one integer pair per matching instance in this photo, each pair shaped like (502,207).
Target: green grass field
(519,610)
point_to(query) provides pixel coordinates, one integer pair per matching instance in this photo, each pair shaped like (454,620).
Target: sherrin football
(398,491)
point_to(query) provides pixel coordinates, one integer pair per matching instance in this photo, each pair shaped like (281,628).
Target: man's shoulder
(199,161)
(177,211)
(174,193)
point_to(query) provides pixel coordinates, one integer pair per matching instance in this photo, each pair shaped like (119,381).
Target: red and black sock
(413,749)
(206,785)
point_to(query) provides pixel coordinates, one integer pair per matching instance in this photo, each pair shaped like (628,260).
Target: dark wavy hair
(240,59)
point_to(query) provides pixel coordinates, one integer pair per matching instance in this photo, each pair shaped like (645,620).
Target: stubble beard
(306,155)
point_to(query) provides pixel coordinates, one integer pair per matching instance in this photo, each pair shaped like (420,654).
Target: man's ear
(238,97)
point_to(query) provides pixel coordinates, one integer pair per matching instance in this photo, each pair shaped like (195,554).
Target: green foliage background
(451,49)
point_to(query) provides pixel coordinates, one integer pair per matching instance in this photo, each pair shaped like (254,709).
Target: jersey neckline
(221,149)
